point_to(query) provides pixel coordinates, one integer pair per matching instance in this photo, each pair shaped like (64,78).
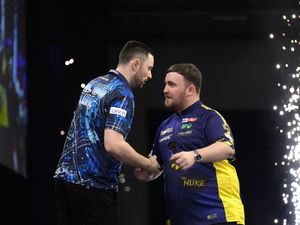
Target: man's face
(144,72)
(175,91)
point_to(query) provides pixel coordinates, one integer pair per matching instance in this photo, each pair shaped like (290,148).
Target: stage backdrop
(13,82)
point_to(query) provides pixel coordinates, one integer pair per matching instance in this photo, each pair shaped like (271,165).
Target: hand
(153,166)
(143,175)
(183,159)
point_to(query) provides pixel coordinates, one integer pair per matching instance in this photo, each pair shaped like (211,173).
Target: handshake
(153,164)
(150,173)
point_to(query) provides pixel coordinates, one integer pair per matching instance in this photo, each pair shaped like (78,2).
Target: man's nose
(165,90)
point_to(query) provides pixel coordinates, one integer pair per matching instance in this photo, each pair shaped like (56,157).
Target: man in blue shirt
(95,147)
(195,147)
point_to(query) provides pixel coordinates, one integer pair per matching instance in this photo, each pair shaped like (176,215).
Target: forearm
(216,152)
(123,152)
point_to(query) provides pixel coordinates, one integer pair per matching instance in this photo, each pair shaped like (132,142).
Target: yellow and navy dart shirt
(206,193)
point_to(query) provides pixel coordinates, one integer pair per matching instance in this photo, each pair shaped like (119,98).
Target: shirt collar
(120,76)
(191,108)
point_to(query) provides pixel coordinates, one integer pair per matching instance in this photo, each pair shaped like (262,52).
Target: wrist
(148,164)
(197,157)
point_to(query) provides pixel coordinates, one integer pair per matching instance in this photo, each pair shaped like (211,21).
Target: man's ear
(135,64)
(191,90)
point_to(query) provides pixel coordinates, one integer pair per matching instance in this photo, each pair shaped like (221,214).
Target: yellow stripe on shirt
(229,191)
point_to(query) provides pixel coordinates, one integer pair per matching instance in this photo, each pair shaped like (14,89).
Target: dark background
(227,40)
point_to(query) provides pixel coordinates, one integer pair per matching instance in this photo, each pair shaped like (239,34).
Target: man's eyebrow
(169,82)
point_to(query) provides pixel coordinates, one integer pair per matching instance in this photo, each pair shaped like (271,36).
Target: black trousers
(77,205)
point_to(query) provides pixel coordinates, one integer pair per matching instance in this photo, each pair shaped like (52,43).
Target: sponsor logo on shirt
(100,90)
(104,78)
(212,216)
(168,130)
(168,137)
(186,126)
(118,111)
(191,120)
(174,166)
(87,100)
(185,133)
(190,182)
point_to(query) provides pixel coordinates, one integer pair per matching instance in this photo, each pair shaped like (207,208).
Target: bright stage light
(289,120)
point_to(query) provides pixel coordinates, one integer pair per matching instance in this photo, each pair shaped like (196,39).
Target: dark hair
(134,49)
(190,73)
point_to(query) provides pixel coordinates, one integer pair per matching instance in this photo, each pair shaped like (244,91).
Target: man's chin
(142,84)
(168,103)
(138,86)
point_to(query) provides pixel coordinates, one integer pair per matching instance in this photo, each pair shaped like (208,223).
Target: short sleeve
(120,112)
(218,130)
